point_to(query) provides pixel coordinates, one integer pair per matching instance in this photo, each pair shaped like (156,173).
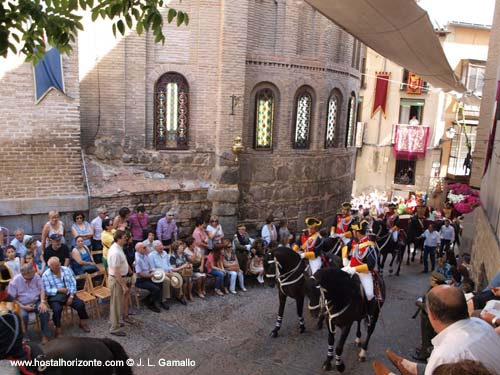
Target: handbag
(59,297)
(186,272)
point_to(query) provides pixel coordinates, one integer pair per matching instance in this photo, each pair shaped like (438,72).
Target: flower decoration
(464,198)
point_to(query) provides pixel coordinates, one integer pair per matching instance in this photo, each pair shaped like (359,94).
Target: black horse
(387,245)
(344,304)
(415,230)
(290,272)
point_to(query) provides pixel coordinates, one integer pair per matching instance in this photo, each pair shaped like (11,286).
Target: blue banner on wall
(48,74)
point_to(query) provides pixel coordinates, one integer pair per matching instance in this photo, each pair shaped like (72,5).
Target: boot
(371,308)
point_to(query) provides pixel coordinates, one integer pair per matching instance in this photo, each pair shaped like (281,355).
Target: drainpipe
(86,178)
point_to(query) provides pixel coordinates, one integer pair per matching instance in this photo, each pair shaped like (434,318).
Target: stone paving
(230,334)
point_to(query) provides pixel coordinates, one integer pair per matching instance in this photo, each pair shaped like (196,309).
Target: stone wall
(485,250)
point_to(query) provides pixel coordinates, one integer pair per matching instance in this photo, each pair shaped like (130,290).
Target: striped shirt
(51,282)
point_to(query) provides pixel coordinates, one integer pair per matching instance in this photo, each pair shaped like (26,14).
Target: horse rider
(363,260)
(341,226)
(392,221)
(308,245)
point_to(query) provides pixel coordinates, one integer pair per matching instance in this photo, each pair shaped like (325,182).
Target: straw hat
(158,276)
(175,281)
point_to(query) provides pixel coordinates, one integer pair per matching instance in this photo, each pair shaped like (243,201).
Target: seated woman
(81,258)
(256,266)
(215,267)
(230,262)
(195,256)
(181,265)
(81,228)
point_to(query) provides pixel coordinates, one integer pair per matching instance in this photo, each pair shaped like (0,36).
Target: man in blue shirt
(60,287)
(144,273)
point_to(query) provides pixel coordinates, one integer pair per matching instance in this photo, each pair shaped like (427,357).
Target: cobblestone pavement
(230,334)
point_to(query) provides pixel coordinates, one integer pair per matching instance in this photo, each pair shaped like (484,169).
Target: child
(34,248)
(256,266)
(28,259)
(12,261)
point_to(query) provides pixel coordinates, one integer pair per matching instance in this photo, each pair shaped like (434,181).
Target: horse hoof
(341,367)
(397,273)
(407,263)
(302,329)
(361,359)
(319,325)
(327,366)
(390,270)
(274,334)
(358,342)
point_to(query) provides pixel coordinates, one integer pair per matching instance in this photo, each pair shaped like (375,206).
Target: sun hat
(158,276)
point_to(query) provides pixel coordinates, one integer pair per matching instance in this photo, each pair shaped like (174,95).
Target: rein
(387,240)
(328,305)
(283,280)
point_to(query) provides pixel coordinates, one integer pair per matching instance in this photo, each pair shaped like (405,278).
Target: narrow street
(228,335)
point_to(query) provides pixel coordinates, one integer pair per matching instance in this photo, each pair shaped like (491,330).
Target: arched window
(264,119)
(171,112)
(351,121)
(332,119)
(303,109)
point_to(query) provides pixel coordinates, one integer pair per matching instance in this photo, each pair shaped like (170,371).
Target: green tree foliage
(27,25)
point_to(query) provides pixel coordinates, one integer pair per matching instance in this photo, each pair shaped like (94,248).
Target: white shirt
(431,239)
(20,246)
(269,234)
(448,233)
(471,339)
(97,227)
(117,258)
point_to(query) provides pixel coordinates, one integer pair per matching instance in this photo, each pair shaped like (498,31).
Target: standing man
(27,289)
(139,225)
(430,244)
(242,245)
(341,226)
(447,237)
(96,224)
(19,243)
(60,287)
(166,230)
(118,282)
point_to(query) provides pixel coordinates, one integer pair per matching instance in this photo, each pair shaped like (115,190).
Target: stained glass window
(331,121)
(302,120)
(349,137)
(171,112)
(264,119)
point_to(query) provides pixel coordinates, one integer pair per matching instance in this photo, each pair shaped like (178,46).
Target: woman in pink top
(215,267)
(200,235)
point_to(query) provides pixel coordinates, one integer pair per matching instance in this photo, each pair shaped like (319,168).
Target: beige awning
(397,29)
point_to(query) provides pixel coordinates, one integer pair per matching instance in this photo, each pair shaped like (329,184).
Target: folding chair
(98,288)
(86,297)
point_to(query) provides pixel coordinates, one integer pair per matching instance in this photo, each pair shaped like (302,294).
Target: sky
(471,11)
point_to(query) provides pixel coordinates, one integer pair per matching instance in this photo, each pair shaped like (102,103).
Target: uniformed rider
(392,221)
(307,246)
(360,256)
(341,226)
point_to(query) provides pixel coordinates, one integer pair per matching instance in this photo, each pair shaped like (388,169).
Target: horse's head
(314,294)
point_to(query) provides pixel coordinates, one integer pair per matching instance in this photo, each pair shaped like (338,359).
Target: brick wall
(40,161)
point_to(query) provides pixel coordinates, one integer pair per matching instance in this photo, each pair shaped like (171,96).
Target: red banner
(380,96)
(414,84)
(411,141)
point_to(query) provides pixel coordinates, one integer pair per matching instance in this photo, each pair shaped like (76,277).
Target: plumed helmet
(313,222)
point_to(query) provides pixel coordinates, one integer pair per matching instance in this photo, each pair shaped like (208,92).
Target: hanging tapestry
(411,141)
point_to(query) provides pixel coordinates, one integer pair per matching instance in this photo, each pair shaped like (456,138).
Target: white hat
(175,281)
(158,276)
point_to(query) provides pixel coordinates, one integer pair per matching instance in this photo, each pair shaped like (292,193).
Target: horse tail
(118,353)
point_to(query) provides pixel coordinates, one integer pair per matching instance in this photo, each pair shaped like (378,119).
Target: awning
(397,29)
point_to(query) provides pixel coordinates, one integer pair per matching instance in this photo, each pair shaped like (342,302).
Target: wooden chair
(98,288)
(99,265)
(86,297)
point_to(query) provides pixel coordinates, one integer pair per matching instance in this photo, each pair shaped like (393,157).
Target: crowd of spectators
(133,252)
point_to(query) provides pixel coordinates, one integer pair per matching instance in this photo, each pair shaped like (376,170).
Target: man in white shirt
(458,336)
(430,244)
(118,284)
(19,242)
(447,236)
(96,224)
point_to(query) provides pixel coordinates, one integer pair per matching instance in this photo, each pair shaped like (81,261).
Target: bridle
(286,279)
